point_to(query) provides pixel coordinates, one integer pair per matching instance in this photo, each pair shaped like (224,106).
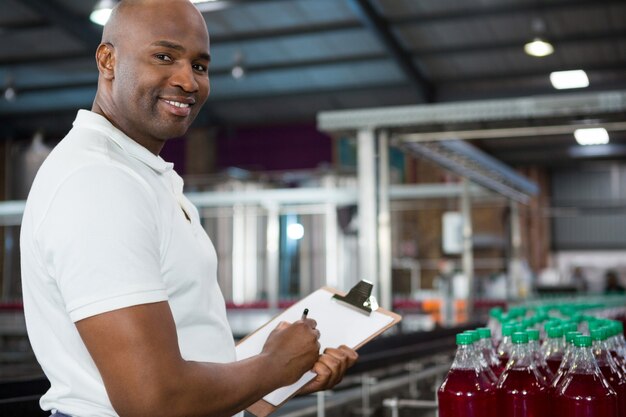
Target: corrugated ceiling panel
(13,12)
(400,8)
(325,45)
(346,76)
(44,41)
(276,14)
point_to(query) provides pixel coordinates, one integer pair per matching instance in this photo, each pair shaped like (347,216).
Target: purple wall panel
(274,148)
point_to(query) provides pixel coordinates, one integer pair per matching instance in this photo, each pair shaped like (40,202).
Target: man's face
(161,74)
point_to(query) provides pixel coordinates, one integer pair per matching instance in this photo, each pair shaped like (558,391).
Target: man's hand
(293,348)
(330,368)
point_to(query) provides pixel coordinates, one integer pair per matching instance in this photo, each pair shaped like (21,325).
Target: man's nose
(184,77)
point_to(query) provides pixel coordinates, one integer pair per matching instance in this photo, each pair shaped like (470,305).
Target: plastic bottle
(540,362)
(495,324)
(584,392)
(616,343)
(505,345)
(520,390)
(553,353)
(568,358)
(465,391)
(609,368)
(489,352)
(484,365)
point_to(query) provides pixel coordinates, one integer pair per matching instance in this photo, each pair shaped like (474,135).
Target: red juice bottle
(540,362)
(568,358)
(484,365)
(489,352)
(495,324)
(610,370)
(584,392)
(520,391)
(466,392)
(616,344)
(505,345)
(553,352)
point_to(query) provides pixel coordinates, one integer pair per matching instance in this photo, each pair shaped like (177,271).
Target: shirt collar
(91,120)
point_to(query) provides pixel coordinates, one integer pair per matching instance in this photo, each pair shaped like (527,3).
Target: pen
(304,314)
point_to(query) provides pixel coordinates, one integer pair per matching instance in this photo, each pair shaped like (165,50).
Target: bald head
(153,62)
(130,12)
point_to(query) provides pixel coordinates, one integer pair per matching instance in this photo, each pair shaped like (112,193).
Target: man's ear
(105,58)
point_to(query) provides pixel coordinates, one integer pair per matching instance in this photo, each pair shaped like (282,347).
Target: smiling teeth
(177,104)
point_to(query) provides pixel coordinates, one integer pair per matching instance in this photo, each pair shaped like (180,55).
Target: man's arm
(136,351)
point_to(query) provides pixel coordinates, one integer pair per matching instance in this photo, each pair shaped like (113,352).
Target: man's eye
(200,67)
(163,57)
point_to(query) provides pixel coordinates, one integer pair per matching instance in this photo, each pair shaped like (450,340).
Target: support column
(384,224)
(273,254)
(515,270)
(468,256)
(331,232)
(367,239)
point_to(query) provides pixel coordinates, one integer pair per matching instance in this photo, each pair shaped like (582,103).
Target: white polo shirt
(103,229)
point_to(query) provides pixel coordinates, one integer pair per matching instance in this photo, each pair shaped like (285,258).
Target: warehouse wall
(590,207)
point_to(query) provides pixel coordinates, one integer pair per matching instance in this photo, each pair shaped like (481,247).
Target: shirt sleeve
(100,242)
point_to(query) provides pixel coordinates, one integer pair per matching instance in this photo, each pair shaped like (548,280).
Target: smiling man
(119,279)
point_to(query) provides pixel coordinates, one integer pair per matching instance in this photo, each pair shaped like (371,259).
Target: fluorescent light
(562,80)
(592,136)
(102,11)
(539,48)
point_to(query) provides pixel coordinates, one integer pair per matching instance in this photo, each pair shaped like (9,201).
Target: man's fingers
(336,368)
(351,354)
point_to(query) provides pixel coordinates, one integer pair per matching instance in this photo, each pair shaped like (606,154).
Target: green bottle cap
(495,312)
(555,332)
(582,341)
(619,327)
(598,333)
(507,329)
(533,334)
(474,334)
(570,327)
(520,338)
(571,336)
(464,339)
(484,332)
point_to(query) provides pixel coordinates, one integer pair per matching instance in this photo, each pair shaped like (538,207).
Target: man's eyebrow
(178,47)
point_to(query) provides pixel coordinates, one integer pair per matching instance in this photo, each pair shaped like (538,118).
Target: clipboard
(351,319)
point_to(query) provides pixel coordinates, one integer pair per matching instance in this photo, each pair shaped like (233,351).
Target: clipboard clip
(360,297)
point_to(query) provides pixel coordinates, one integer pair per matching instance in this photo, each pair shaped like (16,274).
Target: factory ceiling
(301,57)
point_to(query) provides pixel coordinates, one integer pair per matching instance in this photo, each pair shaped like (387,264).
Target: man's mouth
(177,103)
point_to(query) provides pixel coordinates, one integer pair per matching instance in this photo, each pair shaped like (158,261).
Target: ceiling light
(592,136)
(10,94)
(295,231)
(102,11)
(237,72)
(562,80)
(539,48)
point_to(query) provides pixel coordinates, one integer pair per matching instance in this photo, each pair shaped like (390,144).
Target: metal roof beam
(381,29)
